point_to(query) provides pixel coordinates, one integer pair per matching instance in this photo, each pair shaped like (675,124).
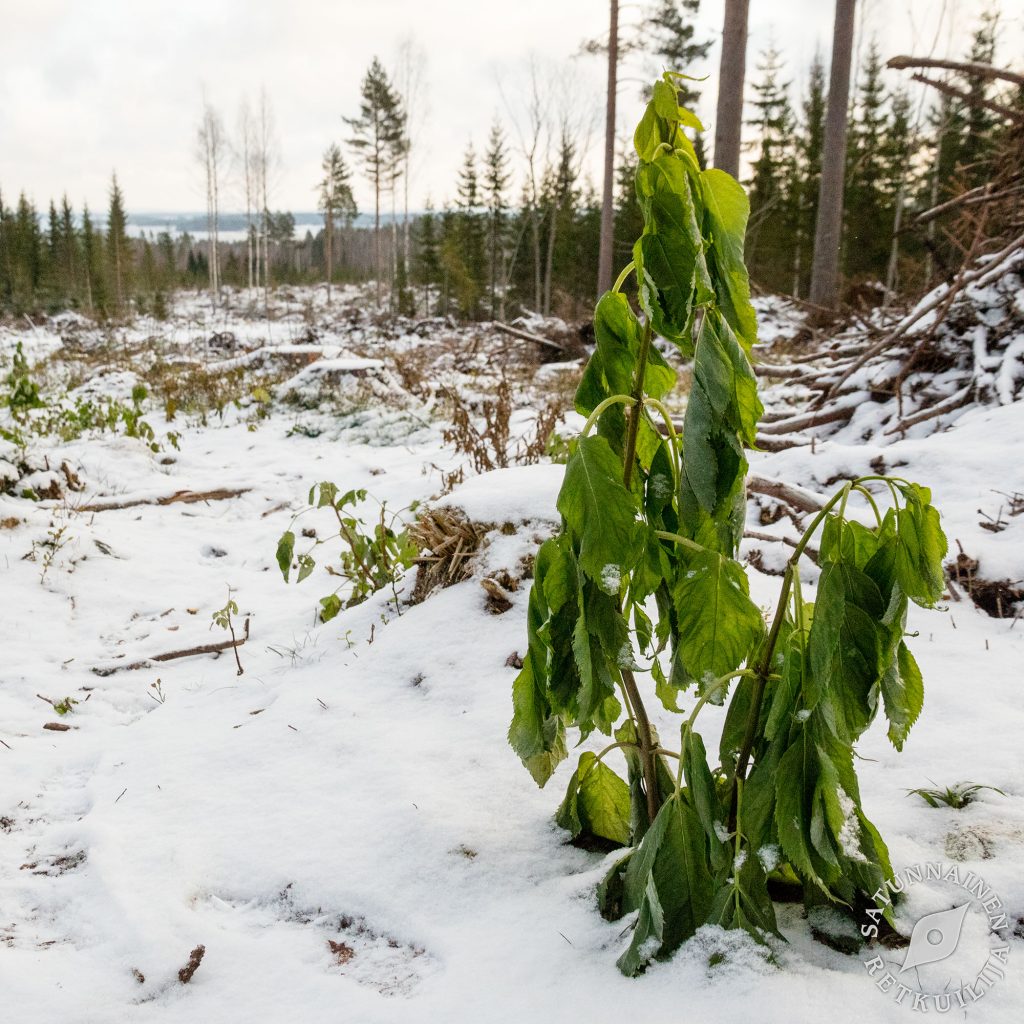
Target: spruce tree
(335,202)
(772,205)
(466,258)
(810,144)
(92,260)
(69,257)
(671,24)
(867,211)
(119,257)
(497,178)
(428,260)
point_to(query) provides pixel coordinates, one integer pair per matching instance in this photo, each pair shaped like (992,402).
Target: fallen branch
(962,94)
(527,336)
(799,497)
(189,652)
(951,404)
(813,419)
(902,62)
(964,281)
(766,370)
(184,497)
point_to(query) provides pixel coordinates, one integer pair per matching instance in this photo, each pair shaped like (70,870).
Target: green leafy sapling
(223,617)
(958,796)
(643,577)
(374,555)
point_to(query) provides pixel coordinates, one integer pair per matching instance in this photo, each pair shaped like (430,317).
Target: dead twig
(195,958)
(184,497)
(190,652)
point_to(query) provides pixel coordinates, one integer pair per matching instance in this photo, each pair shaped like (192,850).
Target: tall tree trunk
(829,229)
(606,253)
(377,270)
(731,74)
(328,247)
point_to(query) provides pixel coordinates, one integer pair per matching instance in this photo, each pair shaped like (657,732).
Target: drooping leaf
(719,625)
(285,551)
(902,695)
(668,878)
(921,547)
(599,510)
(596,802)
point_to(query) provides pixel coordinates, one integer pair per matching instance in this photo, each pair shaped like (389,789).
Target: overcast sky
(89,87)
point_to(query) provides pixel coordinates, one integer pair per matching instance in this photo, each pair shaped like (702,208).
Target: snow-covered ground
(344,827)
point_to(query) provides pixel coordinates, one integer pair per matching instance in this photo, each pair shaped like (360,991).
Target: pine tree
(378,132)
(772,206)
(119,257)
(671,26)
(336,202)
(497,178)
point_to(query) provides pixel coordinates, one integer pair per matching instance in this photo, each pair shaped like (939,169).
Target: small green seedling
(65,706)
(374,555)
(222,618)
(957,796)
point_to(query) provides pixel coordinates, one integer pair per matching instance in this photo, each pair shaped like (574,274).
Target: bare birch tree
(211,151)
(410,82)
(245,160)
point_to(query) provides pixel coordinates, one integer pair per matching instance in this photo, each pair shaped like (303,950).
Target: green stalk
(763,667)
(643,724)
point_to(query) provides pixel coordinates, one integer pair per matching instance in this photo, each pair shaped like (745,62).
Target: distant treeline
(492,253)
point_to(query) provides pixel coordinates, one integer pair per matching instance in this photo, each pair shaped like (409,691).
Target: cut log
(799,497)
(527,336)
(814,419)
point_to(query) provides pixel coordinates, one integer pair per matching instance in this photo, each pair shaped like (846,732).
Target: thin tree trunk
(606,254)
(328,247)
(732,71)
(828,231)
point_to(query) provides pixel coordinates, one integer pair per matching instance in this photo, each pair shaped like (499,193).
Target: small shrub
(374,555)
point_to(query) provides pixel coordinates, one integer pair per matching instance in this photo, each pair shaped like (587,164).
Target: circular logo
(957,952)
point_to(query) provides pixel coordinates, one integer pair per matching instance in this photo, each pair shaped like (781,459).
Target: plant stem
(609,401)
(643,725)
(621,279)
(629,455)
(768,651)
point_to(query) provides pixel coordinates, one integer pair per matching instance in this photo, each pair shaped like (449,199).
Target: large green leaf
(537,736)
(600,511)
(846,647)
(902,694)
(727,210)
(668,878)
(921,547)
(596,802)
(719,625)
